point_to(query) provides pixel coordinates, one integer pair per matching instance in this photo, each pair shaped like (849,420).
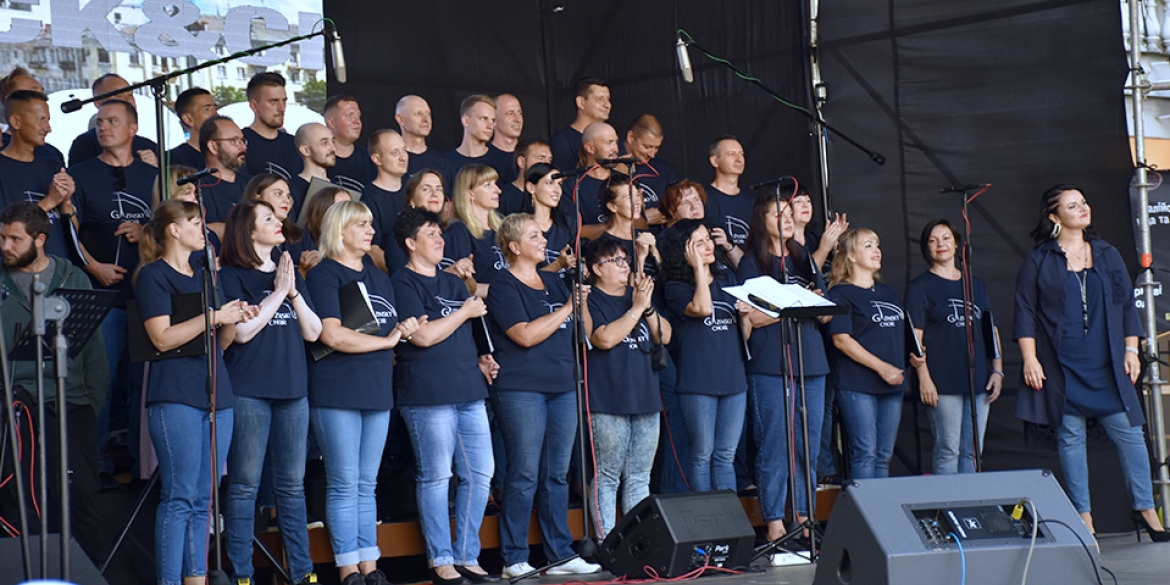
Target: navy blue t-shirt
(429,159)
(278,155)
(767,343)
(104,201)
(654,187)
(385,207)
(876,321)
(353,380)
(86,146)
(355,171)
(566,146)
(546,367)
(219,196)
(188,156)
(44,150)
(511,199)
(730,212)
(589,194)
(563,232)
(298,189)
(935,305)
(494,158)
(30,181)
(708,350)
(446,372)
(272,365)
(621,380)
(183,379)
(488,259)
(295,249)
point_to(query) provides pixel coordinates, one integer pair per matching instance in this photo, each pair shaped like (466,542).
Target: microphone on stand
(338,56)
(195,177)
(962,188)
(577,172)
(684,61)
(625,160)
(770,182)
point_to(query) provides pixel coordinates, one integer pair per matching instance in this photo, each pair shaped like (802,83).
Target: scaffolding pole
(1139,87)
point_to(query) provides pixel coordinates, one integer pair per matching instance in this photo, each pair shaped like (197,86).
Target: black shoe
(437,580)
(376,578)
(476,577)
(354,578)
(1139,522)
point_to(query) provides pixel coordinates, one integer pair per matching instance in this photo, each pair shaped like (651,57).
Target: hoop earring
(1055,231)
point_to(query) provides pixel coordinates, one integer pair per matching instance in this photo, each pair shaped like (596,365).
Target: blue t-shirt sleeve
(323,286)
(916,303)
(506,304)
(410,302)
(678,295)
(458,243)
(231,284)
(154,296)
(840,323)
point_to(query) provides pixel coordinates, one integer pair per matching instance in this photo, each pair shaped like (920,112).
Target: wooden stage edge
(404,539)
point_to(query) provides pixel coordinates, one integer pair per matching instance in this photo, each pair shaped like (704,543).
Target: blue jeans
(351,444)
(442,434)
(1131,451)
(538,435)
(950,423)
(624,447)
(871,420)
(771,423)
(673,445)
(278,429)
(714,424)
(121,407)
(182,442)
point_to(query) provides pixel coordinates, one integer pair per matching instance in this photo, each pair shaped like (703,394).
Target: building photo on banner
(67,44)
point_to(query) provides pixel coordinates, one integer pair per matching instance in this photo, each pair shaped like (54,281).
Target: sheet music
(768,296)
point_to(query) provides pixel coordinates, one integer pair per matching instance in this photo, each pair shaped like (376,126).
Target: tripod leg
(130,521)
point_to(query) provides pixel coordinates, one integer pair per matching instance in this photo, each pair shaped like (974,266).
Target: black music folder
(183,308)
(357,313)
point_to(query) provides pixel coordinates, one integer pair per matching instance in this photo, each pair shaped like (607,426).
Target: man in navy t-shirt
(593,105)
(643,139)
(354,169)
(477,113)
(413,115)
(24,176)
(19,78)
(599,141)
(224,148)
(727,208)
(509,127)
(86,145)
(318,151)
(194,106)
(528,153)
(385,198)
(270,148)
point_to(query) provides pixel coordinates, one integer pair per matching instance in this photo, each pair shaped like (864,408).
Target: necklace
(1083,280)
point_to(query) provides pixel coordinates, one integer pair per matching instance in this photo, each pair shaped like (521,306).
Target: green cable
(738,73)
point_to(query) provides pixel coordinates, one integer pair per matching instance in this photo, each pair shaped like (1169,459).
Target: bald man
(413,115)
(86,145)
(598,141)
(643,140)
(317,149)
(509,123)
(17,79)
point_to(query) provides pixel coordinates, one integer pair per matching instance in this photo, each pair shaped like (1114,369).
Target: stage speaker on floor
(677,533)
(81,570)
(925,529)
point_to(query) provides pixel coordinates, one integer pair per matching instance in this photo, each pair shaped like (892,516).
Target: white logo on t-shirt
(383,310)
(722,316)
(449,305)
(886,314)
(737,230)
(958,316)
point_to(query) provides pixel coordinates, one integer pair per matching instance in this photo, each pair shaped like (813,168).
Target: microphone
(963,188)
(577,172)
(338,57)
(684,61)
(71,106)
(195,177)
(625,160)
(770,182)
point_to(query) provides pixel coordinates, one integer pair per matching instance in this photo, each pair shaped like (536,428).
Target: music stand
(87,310)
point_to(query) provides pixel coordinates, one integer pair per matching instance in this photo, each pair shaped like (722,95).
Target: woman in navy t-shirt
(623,397)
(472,231)
(351,390)
(273,190)
(440,393)
(776,364)
(177,398)
(542,200)
(621,210)
(533,397)
(710,353)
(269,377)
(934,301)
(871,339)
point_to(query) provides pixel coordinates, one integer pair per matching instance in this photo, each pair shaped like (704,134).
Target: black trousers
(85,516)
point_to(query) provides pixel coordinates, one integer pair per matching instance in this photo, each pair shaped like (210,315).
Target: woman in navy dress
(1078,331)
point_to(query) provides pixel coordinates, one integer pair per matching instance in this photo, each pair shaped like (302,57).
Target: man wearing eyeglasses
(112,195)
(225,149)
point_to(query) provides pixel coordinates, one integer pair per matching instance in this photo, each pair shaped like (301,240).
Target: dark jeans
(85,519)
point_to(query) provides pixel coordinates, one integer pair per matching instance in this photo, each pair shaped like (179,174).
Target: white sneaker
(577,566)
(518,569)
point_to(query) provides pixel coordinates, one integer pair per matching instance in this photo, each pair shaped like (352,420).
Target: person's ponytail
(152,244)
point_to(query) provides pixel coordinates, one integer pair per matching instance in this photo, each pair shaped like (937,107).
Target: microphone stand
(158,87)
(13,441)
(968,321)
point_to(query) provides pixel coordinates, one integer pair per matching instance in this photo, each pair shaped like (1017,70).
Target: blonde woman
(472,232)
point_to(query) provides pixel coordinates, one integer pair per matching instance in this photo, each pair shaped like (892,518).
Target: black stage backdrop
(538,49)
(1021,94)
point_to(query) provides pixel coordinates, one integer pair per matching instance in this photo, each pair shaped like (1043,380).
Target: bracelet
(997,372)
(293,298)
(1132,350)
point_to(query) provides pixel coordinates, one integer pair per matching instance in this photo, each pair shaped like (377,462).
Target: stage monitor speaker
(81,570)
(910,530)
(667,533)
